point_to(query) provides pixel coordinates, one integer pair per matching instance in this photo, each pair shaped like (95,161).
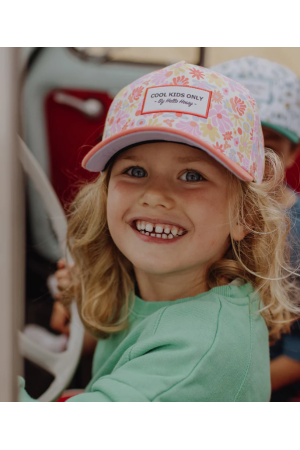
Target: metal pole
(11,228)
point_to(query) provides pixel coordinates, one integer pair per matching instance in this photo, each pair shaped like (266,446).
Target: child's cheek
(120,198)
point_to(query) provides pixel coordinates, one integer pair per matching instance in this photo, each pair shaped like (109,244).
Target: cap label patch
(184,99)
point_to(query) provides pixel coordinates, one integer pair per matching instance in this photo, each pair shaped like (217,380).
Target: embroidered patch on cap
(184,99)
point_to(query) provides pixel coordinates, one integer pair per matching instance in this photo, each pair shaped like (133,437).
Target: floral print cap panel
(213,111)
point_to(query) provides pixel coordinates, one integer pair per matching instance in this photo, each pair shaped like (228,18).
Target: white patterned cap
(191,105)
(275,88)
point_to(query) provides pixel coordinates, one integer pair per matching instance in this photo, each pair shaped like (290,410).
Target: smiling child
(179,245)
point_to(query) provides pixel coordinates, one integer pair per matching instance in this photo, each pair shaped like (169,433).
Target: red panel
(71,134)
(293,175)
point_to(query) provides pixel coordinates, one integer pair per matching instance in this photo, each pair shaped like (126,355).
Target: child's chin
(156,268)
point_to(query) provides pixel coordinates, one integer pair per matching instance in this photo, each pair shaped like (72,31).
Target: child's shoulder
(222,311)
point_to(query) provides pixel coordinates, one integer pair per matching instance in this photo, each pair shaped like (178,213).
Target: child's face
(169,186)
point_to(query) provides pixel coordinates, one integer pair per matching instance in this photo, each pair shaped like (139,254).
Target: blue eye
(192,176)
(137,172)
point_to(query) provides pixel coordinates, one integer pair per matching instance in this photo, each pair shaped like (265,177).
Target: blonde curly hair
(104,280)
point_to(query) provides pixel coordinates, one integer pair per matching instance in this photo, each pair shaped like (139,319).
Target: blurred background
(64,96)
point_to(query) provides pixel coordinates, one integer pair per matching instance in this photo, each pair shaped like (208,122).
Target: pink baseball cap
(190,105)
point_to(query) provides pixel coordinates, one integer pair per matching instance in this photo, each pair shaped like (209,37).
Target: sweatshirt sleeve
(162,361)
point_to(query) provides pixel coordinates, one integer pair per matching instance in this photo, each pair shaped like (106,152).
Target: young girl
(179,245)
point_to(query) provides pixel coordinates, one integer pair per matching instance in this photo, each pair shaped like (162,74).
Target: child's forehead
(168,152)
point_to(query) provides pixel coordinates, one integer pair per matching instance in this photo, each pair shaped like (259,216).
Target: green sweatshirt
(212,347)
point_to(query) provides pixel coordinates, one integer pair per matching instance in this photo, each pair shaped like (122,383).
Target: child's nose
(158,194)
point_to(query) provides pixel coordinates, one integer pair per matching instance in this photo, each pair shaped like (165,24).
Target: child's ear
(238,232)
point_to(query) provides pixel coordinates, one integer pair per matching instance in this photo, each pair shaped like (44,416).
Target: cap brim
(291,135)
(97,158)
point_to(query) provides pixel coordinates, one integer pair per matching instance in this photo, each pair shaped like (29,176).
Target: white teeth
(149,227)
(159,230)
(174,231)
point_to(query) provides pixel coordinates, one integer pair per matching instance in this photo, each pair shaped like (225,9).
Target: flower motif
(169,122)
(131,107)
(236,141)
(256,125)
(214,79)
(227,105)
(119,121)
(210,131)
(253,152)
(135,94)
(125,104)
(227,136)
(118,106)
(245,145)
(217,97)
(246,127)
(176,68)
(196,73)
(124,127)
(250,117)
(180,81)
(238,105)
(191,127)
(246,163)
(232,155)
(241,156)
(236,87)
(238,121)
(141,122)
(226,145)
(251,100)
(154,123)
(160,76)
(219,147)
(201,84)
(226,91)
(219,118)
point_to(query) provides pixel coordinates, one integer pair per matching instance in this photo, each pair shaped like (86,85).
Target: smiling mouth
(158,230)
